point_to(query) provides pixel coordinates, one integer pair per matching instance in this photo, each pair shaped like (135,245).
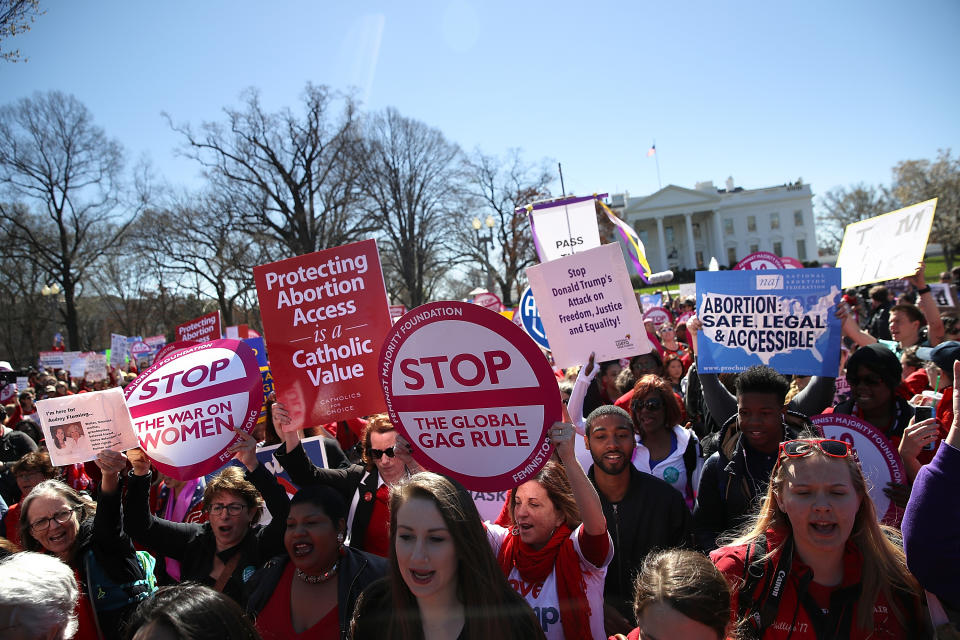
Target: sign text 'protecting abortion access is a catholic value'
(780,318)
(472,394)
(324,318)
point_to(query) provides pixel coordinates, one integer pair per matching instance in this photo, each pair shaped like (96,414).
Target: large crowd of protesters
(677,504)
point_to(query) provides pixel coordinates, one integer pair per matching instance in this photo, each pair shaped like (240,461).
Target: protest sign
(944,295)
(202,329)
(78,367)
(118,350)
(324,317)
(140,349)
(396,310)
(658,316)
(77,427)
(759,260)
(878,458)
(260,351)
(781,318)
(155,342)
(649,300)
(564,227)
(791,263)
(23,382)
(687,290)
(186,406)
(96,367)
(528,318)
(471,392)
(172,347)
(52,360)
(587,305)
(887,246)
(488,300)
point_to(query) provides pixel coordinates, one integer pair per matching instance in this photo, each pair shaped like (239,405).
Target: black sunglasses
(650,404)
(379,453)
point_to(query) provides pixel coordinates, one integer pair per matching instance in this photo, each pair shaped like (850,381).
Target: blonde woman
(815,563)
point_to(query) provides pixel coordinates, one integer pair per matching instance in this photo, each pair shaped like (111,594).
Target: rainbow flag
(632,241)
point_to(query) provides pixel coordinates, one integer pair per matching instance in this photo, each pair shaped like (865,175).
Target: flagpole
(656,158)
(563,190)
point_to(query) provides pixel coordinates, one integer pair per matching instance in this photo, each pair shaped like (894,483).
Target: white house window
(728,227)
(778,248)
(774,220)
(732,255)
(751,223)
(801,250)
(798,218)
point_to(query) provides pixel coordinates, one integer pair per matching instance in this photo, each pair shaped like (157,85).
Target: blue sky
(835,92)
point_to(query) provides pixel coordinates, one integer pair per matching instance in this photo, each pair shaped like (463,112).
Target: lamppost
(486,241)
(52,293)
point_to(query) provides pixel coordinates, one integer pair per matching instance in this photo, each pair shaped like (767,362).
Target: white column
(718,237)
(661,244)
(691,252)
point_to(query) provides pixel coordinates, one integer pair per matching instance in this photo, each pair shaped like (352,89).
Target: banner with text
(471,393)
(564,227)
(887,246)
(186,406)
(202,329)
(783,318)
(52,360)
(587,304)
(324,319)
(77,427)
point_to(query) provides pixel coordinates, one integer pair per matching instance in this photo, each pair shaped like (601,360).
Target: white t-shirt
(543,598)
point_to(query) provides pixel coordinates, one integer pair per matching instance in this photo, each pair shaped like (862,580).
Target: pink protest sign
(878,457)
(488,301)
(186,406)
(658,316)
(168,349)
(471,392)
(760,260)
(206,327)
(791,263)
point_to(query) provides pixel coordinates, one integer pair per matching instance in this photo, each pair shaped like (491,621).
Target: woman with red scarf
(557,550)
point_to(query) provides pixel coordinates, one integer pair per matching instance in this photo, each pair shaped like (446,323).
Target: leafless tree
(67,176)
(16,16)
(291,177)
(497,187)
(412,181)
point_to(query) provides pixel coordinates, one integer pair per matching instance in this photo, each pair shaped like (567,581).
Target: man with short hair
(603,390)
(643,512)
(39,597)
(748,446)
(879,318)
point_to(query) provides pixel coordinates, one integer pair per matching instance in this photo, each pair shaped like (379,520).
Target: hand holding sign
(245,450)
(139,461)
(111,464)
(561,436)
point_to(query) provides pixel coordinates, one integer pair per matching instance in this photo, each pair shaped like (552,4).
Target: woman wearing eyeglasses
(225,551)
(664,449)
(365,487)
(59,521)
(815,563)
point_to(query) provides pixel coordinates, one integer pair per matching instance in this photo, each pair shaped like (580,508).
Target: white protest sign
(118,350)
(563,228)
(887,246)
(688,290)
(942,294)
(878,458)
(471,392)
(587,304)
(79,366)
(77,427)
(96,367)
(186,406)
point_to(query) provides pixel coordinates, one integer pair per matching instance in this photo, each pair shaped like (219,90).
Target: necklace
(323,577)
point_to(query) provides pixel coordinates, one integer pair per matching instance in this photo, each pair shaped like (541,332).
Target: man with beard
(643,512)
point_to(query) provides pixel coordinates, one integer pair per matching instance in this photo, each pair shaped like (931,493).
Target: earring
(516,530)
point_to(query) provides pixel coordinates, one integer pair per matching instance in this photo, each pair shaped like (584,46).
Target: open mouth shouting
(302,549)
(422,577)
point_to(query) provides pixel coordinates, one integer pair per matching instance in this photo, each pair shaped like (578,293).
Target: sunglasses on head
(379,453)
(801,448)
(650,404)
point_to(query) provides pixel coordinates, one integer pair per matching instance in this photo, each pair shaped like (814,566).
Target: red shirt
(274,622)
(377,540)
(12,523)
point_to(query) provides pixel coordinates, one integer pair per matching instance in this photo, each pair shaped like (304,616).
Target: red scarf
(535,565)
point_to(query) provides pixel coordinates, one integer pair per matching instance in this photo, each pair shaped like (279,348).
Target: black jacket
(731,485)
(194,546)
(652,515)
(357,486)
(102,548)
(357,570)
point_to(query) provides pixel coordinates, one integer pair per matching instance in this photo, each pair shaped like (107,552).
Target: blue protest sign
(260,349)
(780,318)
(530,319)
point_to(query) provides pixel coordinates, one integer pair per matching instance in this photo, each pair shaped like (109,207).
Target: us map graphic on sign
(779,318)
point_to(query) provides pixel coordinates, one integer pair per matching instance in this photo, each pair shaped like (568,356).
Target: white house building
(683,228)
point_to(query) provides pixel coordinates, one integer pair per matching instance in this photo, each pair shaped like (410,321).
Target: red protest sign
(659,316)
(186,406)
(324,319)
(488,301)
(206,327)
(471,392)
(168,349)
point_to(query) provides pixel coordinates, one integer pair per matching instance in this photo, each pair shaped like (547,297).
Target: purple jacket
(931,526)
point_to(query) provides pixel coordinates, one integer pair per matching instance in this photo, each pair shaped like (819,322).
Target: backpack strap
(760,618)
(690,463)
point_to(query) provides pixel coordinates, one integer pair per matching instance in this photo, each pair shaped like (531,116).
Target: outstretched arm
(585,494)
